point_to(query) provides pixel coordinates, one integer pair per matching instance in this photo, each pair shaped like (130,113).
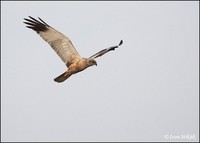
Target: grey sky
(147,90)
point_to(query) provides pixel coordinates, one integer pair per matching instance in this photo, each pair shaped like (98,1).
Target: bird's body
(64,48)
(75,67)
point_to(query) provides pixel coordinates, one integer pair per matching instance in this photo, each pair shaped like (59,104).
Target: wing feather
(58,41)
(102,52)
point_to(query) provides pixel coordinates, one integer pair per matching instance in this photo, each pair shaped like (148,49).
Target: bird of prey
(64,48)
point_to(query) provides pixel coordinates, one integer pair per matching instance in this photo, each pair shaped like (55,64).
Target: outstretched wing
(102,52)
(59,42)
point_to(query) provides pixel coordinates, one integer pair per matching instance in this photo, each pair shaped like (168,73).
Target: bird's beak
(96,64)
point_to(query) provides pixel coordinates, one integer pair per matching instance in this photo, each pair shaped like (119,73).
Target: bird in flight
(64,48)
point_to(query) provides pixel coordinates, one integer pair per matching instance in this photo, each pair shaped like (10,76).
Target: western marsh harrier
(64,48)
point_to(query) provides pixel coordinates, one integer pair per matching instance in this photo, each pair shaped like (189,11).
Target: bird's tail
(62,77)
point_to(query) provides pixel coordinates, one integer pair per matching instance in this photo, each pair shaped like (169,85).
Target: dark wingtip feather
(121,42)
(36,25)
(43,22)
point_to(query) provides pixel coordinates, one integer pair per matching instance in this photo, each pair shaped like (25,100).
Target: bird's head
(92,62)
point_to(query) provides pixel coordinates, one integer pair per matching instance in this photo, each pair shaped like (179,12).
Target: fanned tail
(62,77)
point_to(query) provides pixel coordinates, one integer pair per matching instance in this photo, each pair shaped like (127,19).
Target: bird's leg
(66,73)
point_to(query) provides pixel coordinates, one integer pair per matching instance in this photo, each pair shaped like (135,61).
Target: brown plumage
(64,48)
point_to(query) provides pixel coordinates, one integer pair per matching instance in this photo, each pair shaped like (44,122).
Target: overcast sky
(146,90)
